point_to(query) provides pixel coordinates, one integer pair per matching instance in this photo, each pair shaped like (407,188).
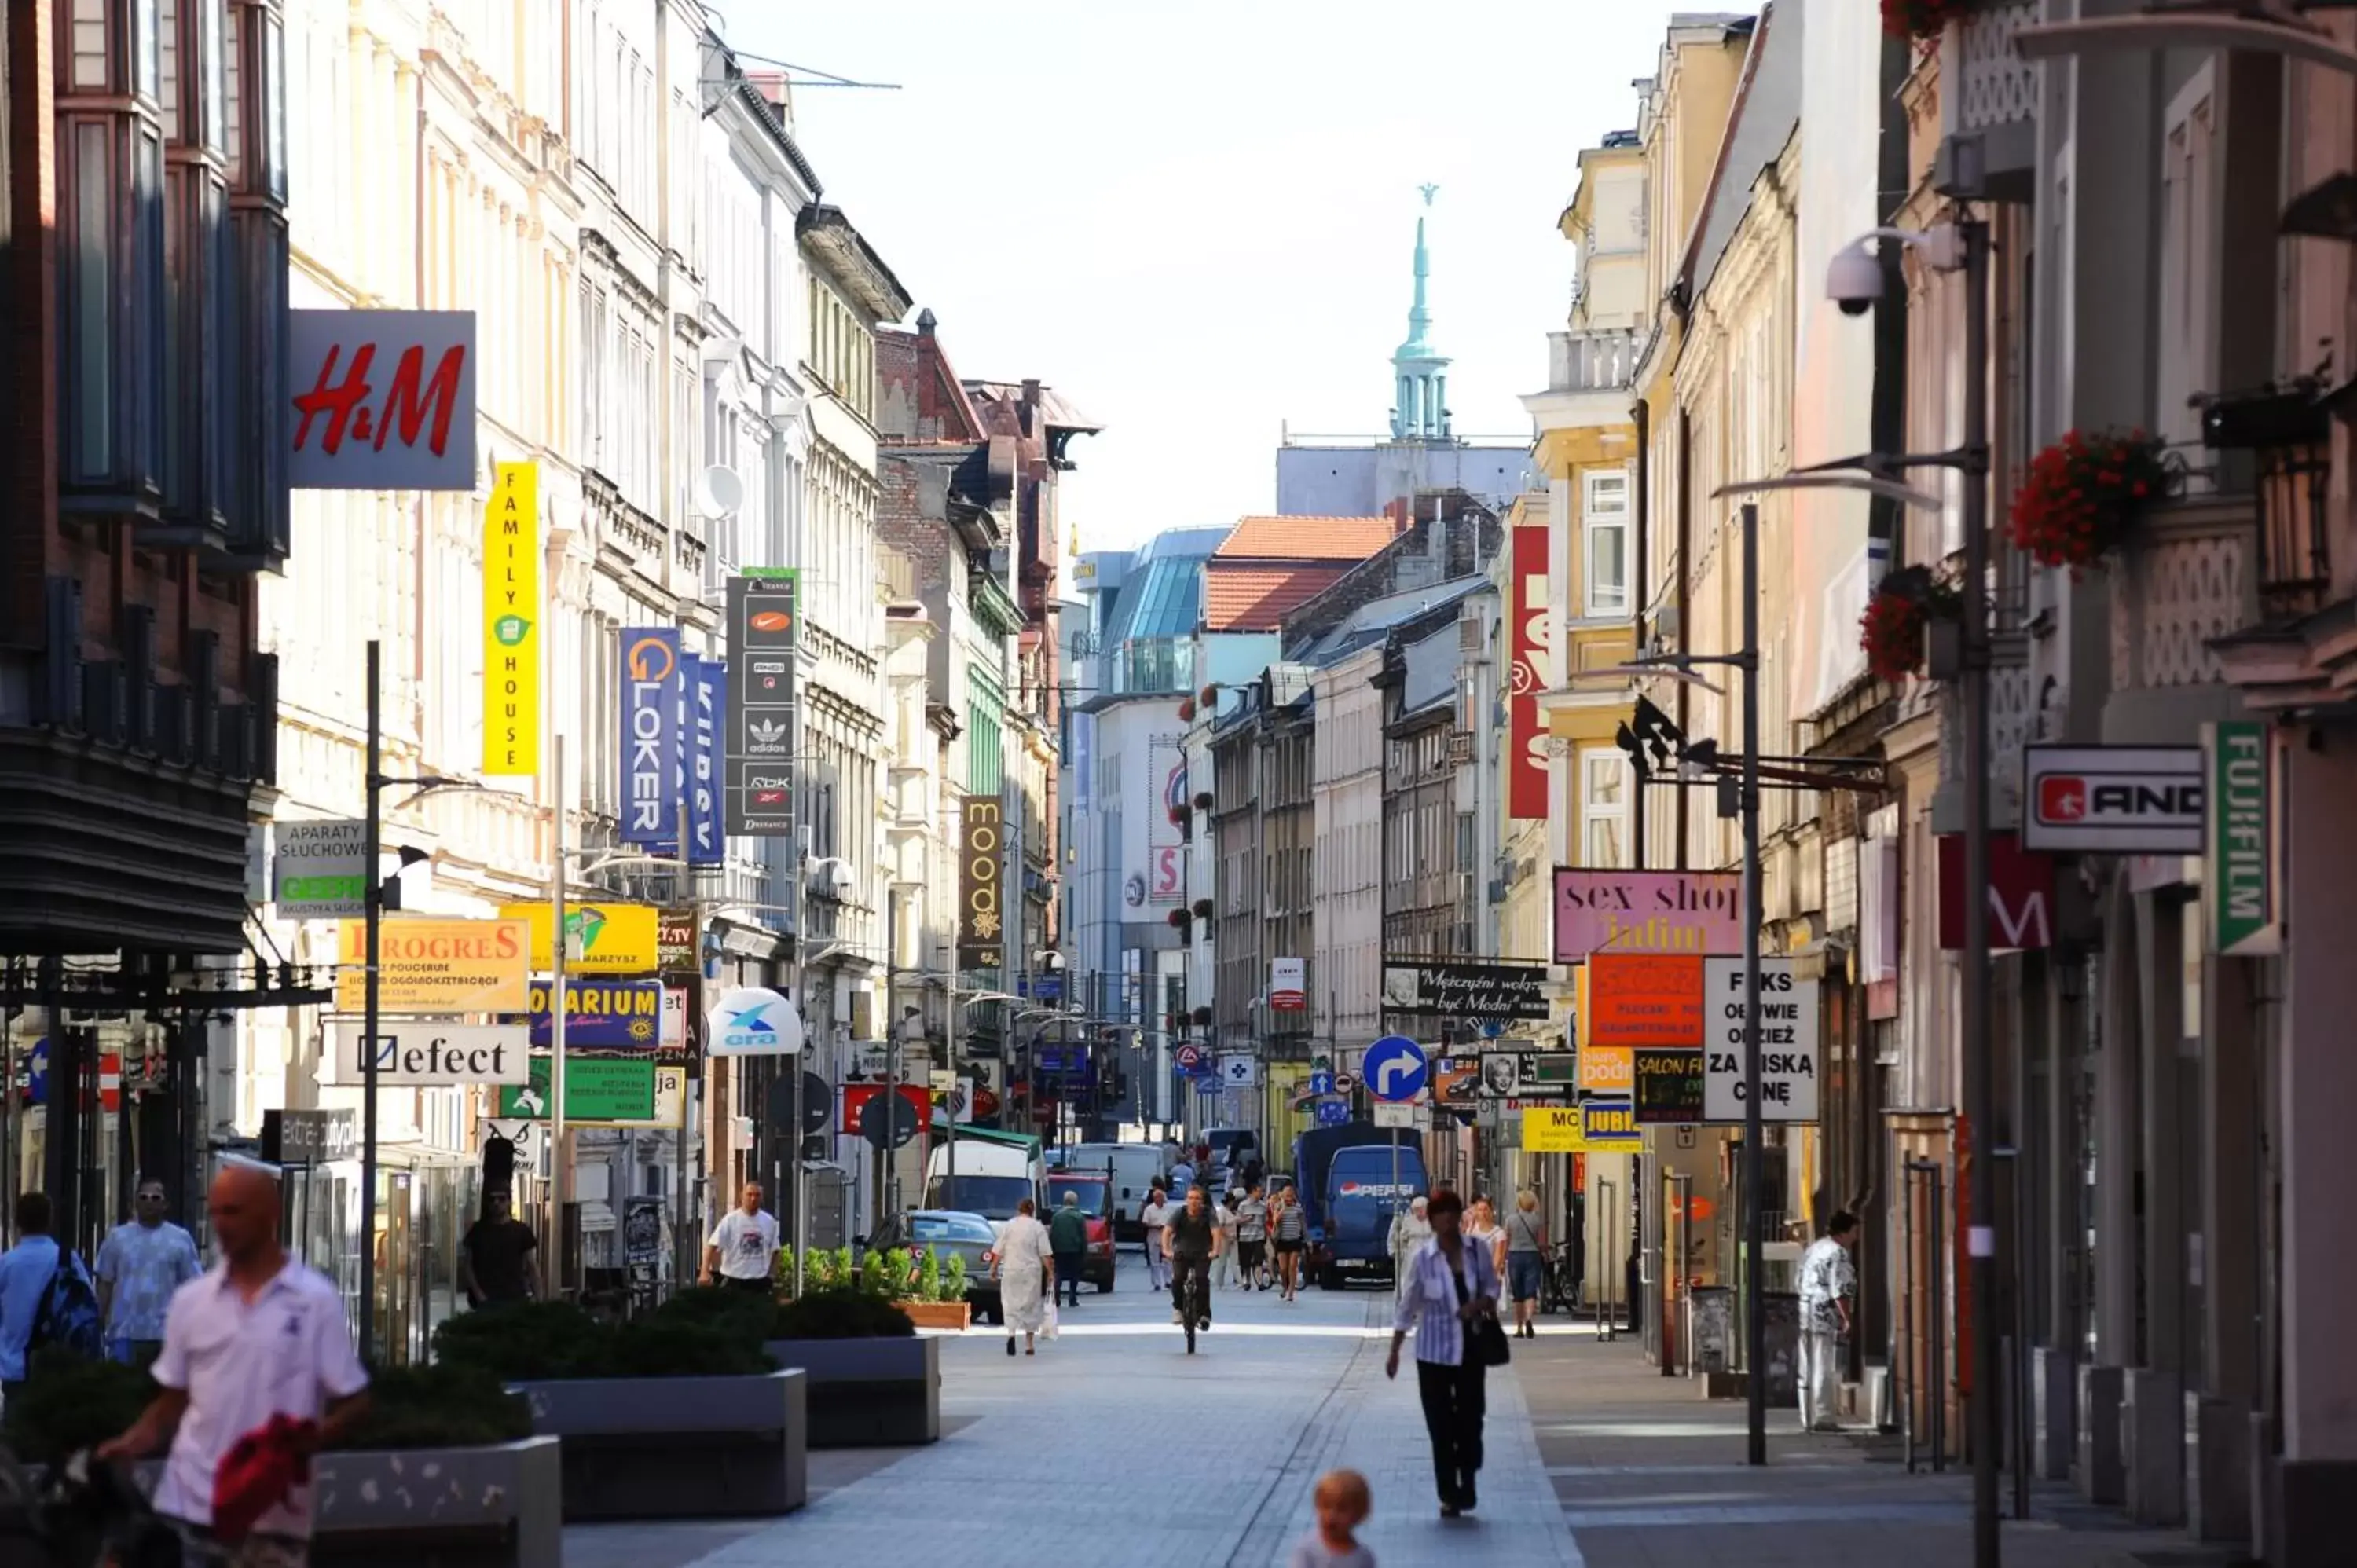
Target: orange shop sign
(438,966)
(1644,999)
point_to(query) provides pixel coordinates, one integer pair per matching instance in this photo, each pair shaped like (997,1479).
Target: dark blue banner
(602,1017)
(651,737)
(707,688)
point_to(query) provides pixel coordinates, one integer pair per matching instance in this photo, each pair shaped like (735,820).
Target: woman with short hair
(1452,1285)
(1024,1263)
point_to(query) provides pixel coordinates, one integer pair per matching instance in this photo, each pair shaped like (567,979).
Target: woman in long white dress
(1025,1267)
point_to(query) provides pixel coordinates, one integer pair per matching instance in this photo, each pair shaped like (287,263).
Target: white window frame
(1595,523)
(1596,767)
(2188,273)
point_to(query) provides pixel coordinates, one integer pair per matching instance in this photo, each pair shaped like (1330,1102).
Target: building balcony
(1591,361)
(2188,575)
(1988,106)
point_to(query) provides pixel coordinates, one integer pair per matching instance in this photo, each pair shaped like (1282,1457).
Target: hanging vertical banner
(2239,880)
(707,684)
(650,741)
(981,928)
(511,623)
(1526,761)
(764,633)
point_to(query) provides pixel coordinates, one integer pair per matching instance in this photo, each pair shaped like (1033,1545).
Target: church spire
(1420,371)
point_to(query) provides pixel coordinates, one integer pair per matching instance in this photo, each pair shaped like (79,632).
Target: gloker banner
(764,630)
(1526,764)
(982,852)
(1466,990)
(651,734)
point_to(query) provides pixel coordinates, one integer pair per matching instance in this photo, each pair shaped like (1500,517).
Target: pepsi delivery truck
(1349,1191)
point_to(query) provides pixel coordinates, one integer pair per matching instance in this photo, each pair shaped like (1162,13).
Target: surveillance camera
(1854,280)
(839,877)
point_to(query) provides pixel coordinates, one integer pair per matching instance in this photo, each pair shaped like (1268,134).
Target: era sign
(384,400)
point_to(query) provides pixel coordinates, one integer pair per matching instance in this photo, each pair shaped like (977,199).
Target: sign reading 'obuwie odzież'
(982,925)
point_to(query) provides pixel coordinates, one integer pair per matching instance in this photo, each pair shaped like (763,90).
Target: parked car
(1137,1169)
(1094,1191)
(948,1231)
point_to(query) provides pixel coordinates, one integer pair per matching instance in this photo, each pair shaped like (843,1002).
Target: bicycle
(1559,1280)
(1195,1313)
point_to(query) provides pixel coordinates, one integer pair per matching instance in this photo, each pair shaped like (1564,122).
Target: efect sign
(981,931)
(433,1055)
(1693,912)
(431,965)
(383,400)
(2239,880)
(650,747)
(600,939)
(512,622)
(319,870)
(764,639)
(1288,984)
(2112,800)
(1788,1042)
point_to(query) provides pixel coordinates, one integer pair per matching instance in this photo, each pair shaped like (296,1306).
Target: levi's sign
(1788,1042)
(2112,800)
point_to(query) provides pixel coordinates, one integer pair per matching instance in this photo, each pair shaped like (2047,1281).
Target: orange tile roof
(1306,538)
(1240,596)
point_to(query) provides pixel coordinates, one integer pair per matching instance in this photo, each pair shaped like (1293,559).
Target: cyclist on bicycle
(1190,1240)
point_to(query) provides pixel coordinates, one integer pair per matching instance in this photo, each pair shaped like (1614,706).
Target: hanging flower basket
(1202,800)
(1212,694)
(1179,815)
(1186,710)
(1204,1016)
(1902,609)
(1921,18)
(1203,908)
(1179,918)
(2083,493)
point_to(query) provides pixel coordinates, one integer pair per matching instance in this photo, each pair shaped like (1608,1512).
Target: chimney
(771,86)
(1397,511)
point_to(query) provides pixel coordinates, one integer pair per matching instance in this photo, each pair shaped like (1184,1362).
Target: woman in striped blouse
(1451,1283)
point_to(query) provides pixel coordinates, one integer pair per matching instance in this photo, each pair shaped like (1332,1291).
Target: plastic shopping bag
(1048,1324)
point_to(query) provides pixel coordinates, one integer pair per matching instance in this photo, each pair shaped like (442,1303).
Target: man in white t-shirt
(743,1246)
(260,1335)
(1154,1217)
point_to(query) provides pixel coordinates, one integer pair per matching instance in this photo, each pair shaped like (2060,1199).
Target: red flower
(2080,494)
(1919,18)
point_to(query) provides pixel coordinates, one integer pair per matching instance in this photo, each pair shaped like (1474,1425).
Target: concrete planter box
(439,1507)
(869,1393)
(677,1448)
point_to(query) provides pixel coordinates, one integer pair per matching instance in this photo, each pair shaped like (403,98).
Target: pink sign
(1694,912)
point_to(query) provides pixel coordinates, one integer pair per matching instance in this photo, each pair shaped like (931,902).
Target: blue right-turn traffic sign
(1393,1068)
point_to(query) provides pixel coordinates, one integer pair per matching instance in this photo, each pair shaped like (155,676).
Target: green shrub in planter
(69,1403)
(657,1349)
(839,1315)
(744,1314)
(526,1343)
(438,1407)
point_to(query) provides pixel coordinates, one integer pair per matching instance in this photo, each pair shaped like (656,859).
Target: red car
(1093,1190)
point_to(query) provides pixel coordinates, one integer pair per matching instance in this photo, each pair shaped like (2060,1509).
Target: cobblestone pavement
(1112,1447)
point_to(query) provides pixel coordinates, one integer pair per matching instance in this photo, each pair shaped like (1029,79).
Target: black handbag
(1485,1337)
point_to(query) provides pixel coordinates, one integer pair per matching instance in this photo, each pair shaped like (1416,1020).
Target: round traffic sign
(1395,1067)
(1190,1058)
(888,1121)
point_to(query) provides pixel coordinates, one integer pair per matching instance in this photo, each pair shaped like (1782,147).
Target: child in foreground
(1343,1504)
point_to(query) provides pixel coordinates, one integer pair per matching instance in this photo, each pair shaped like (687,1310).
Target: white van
(1135,1168)
(996,1171)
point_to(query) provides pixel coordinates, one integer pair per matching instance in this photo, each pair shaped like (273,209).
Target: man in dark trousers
(1068,1238)
(495,1257)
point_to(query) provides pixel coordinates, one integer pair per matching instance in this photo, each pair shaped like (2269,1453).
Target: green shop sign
(2239,880)
(596,1089)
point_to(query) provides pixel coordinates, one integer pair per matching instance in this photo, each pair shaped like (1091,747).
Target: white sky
(1194,218)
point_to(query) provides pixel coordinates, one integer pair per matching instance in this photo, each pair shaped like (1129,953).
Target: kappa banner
(432,965)
(1526,758)
(982,928)
(511,623)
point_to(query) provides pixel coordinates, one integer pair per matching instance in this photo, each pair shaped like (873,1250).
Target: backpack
(68,1313)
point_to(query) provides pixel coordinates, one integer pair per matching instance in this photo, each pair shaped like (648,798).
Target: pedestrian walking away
(1410,1230)
(258,1373)
(743,1248)
(1154,1217)
(1024,1263)
(1288,1230)
(1344,1501)
(1068,1239)
(1452,1288)
(1252,1240)
(140,1264)
(39,1280)
(1224,1265)
(1525,1261)
(1192,1238)
(1827,1278)
(495,1262)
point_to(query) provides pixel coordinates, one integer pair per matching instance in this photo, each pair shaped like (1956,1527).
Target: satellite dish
(720,492)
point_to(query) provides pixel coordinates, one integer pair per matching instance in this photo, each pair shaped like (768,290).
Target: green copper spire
(1419,369)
